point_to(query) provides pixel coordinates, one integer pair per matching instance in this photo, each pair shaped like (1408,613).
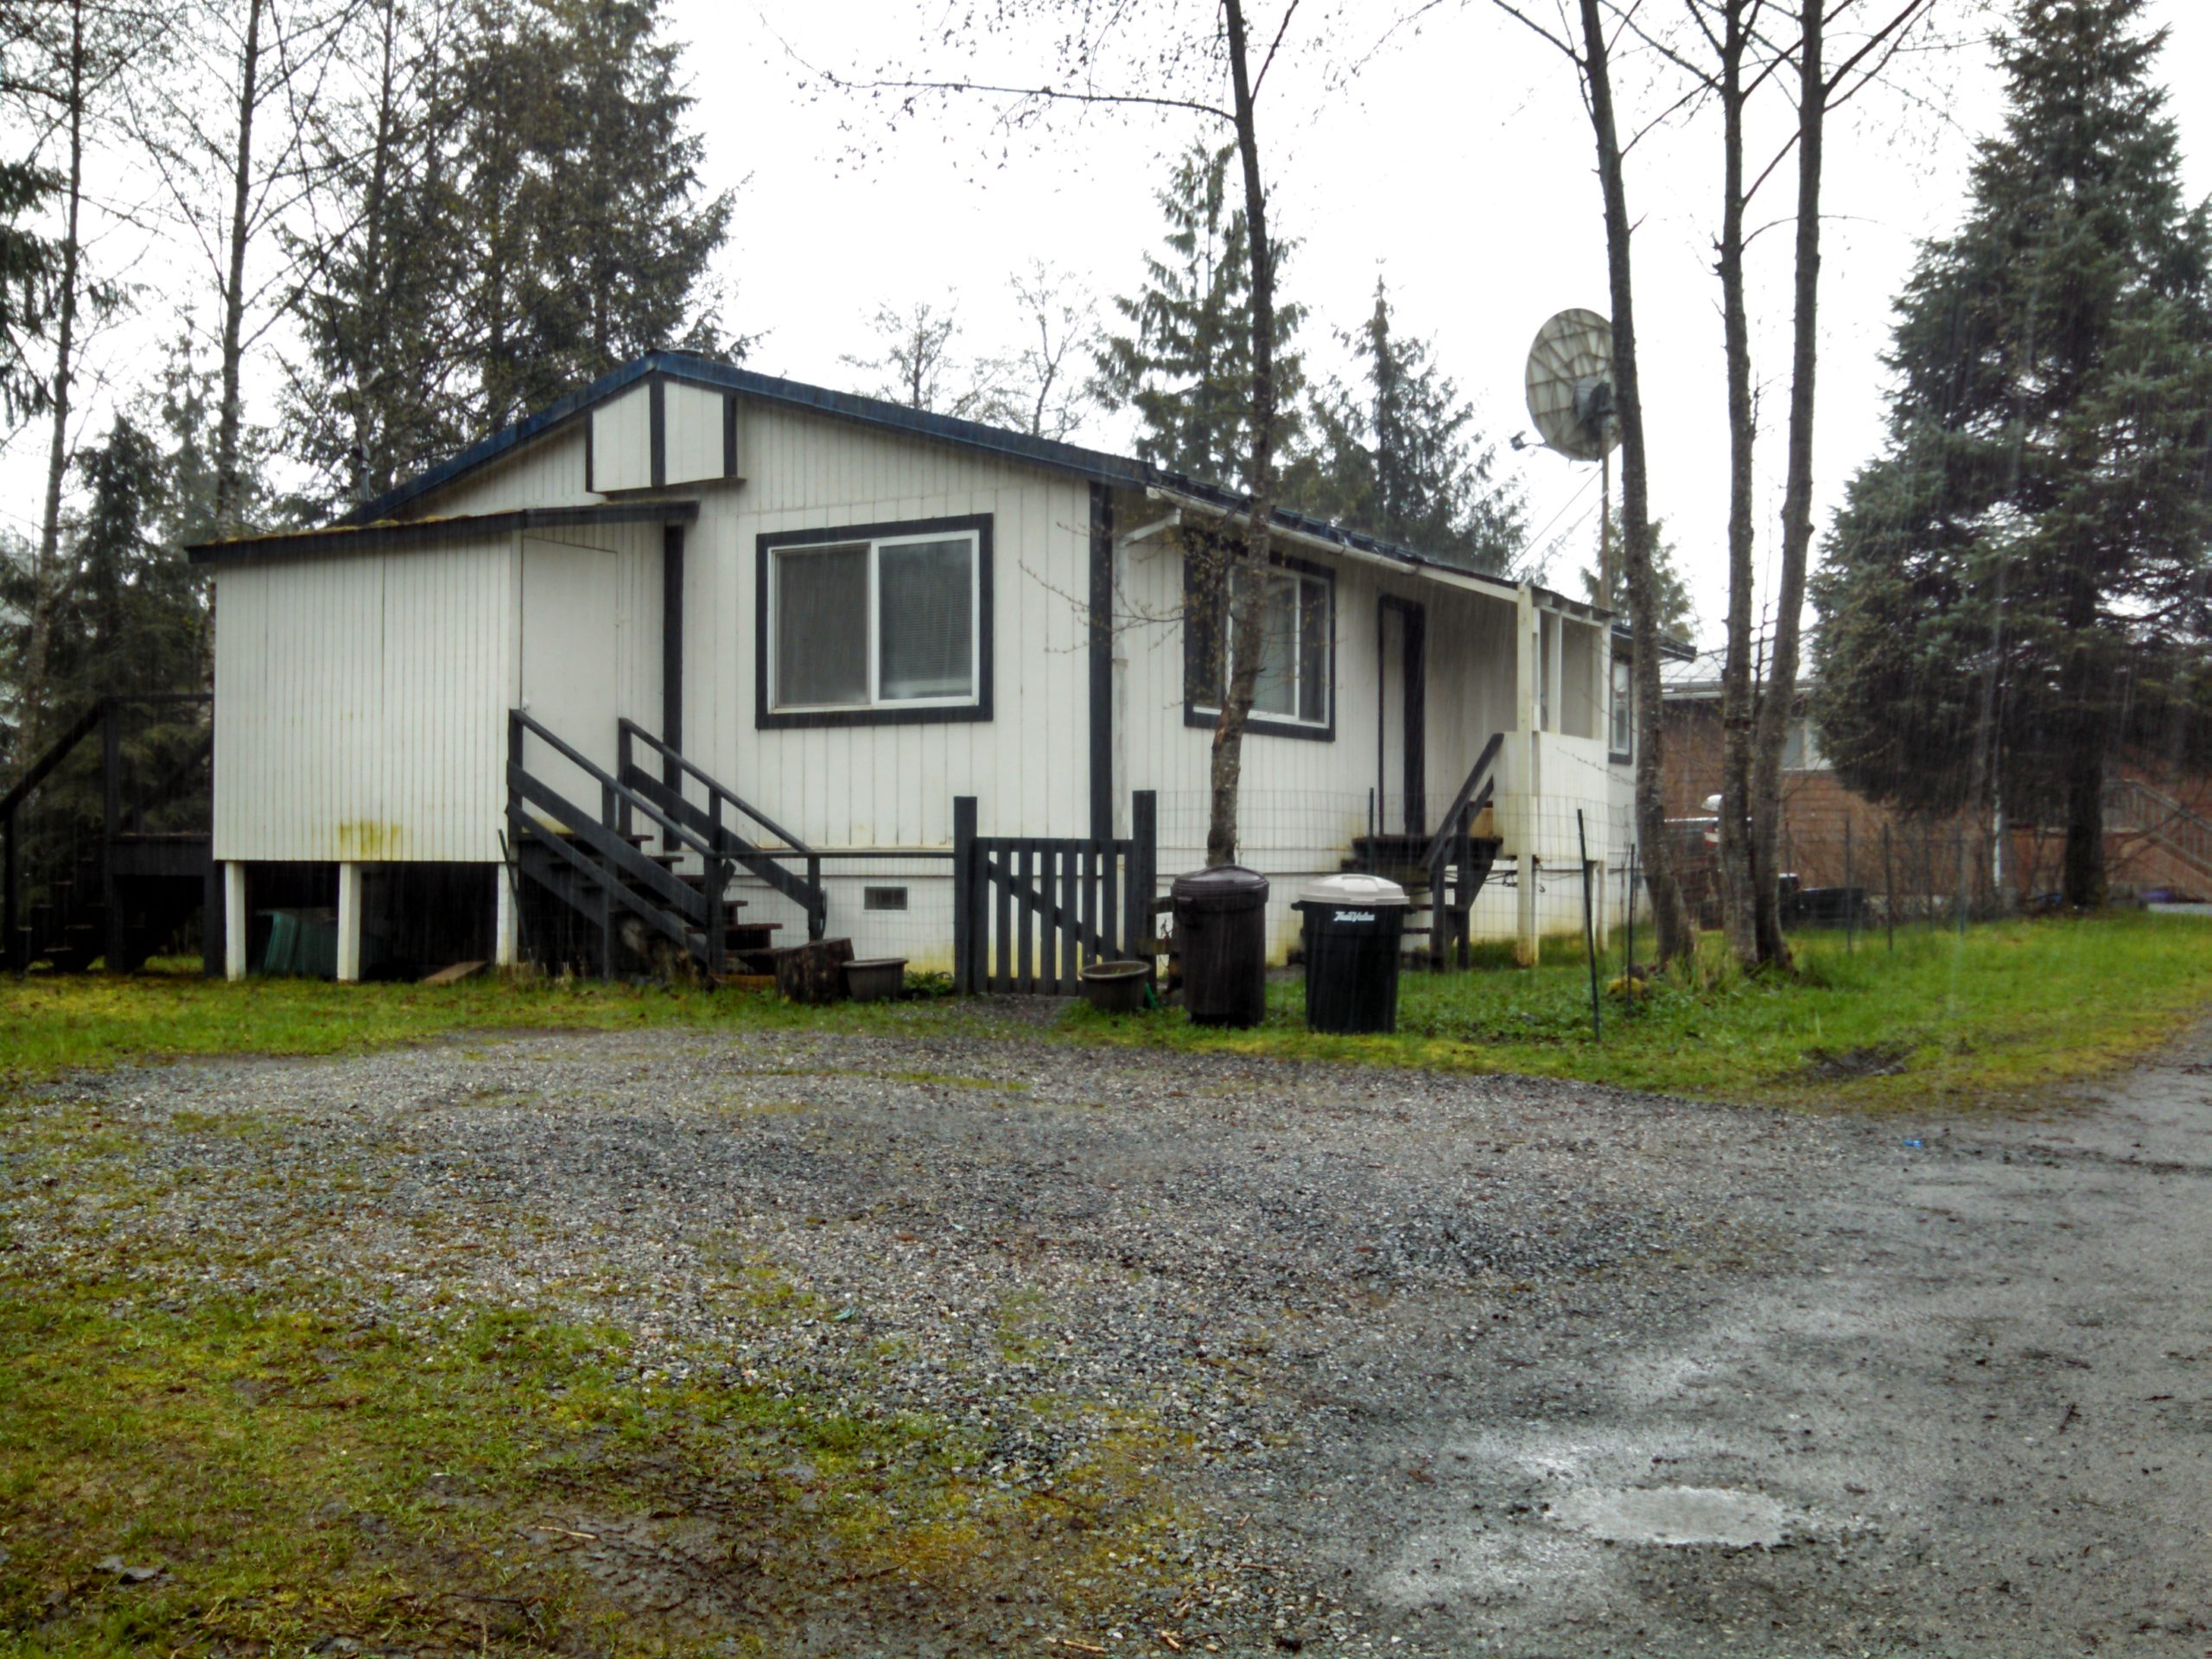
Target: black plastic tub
(1116,986)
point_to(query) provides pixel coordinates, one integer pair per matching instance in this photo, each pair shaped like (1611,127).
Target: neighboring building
(2159,836)
(849,614)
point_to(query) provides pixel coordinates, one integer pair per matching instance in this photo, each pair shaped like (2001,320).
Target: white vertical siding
(547,473)
(621,442)
(693,436)
(360,704)
(892,785)
(361,699)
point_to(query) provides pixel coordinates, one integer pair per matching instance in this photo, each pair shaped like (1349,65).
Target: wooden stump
(814,973)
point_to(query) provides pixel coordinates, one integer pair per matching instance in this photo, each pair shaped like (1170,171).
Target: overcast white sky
(1457,164)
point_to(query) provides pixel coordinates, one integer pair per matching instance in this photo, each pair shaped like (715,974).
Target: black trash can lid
(1221,881)
(1353,892)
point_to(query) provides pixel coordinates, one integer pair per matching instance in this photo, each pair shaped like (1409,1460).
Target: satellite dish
(1571,385)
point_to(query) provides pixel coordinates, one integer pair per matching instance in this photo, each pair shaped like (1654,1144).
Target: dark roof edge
(416,532)
(1096,466)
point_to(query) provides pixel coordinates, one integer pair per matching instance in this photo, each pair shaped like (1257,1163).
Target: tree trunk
(1675,937)
(1738,908)
(1247,598)
(2083,871)
(229,482)
(45,583)
(1778,705)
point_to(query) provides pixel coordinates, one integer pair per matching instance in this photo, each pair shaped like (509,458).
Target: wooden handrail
(716,787)
(1465,796)
(606,780)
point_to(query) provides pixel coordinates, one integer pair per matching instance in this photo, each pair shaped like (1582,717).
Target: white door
(571,650)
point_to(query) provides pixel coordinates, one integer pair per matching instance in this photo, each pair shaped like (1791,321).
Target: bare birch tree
(229,129)
(1179,58)
(86,45)
(1589,49)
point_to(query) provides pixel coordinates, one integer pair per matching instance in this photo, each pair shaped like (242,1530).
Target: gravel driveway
(1424,1364)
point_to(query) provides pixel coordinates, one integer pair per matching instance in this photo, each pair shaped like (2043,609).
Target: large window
(1292,694)
(875,623)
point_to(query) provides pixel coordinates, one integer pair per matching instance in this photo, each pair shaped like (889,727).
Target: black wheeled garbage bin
(1353,926)
(1221,931)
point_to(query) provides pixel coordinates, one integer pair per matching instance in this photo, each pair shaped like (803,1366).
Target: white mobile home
(704,609)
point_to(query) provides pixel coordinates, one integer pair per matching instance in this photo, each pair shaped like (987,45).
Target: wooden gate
(1028,912)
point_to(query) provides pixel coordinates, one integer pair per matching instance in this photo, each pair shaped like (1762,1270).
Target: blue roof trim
(1094,465)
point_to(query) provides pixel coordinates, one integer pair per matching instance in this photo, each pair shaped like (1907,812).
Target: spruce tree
(2012,602)
(1396,454)
(1184,367)
(595,246)
(389,367)
(127,619)
(1670,589)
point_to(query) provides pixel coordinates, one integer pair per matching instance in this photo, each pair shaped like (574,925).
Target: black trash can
(1220,929)
(1353,927)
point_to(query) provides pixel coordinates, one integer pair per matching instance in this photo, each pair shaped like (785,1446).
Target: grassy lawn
(1997,1011)
(54,1022)
(190,1472)
(210,1453)
(2002,1009)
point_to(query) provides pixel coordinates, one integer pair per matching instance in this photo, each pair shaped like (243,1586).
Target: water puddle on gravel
(1673,1515)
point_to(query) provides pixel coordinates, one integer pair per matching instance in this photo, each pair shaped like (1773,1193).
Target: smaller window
(1800,747)
(883,898)
(1293,687)
(1623,738)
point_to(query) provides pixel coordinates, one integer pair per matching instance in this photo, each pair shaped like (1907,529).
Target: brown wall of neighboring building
(1827,830)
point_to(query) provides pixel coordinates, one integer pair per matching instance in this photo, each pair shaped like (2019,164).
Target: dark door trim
(1415,783)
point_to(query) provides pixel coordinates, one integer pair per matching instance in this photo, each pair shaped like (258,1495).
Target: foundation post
(349,923)
(234,920)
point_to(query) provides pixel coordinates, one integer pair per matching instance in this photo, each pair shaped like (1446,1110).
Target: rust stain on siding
(365,841)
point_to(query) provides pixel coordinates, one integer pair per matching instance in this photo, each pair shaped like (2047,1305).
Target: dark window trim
(766,719)
(657,430)
(1204,719)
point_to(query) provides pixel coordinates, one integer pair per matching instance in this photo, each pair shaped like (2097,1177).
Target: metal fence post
(964,882)
(1850,894)
(1889,891)
(1589,931)
(110,825)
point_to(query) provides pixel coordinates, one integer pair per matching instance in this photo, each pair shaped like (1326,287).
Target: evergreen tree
(2014,595)
(1671,597)
(390,369)
(1184,367)
(127,619)
(1397,455)
(591,237)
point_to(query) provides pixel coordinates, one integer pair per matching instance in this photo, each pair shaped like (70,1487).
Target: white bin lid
(1353,891)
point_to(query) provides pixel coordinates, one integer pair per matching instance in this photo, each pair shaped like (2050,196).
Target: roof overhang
(1326,539)
(387,535)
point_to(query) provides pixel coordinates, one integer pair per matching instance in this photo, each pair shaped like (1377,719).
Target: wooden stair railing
(1451,849)
(604,863)
(707,824)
